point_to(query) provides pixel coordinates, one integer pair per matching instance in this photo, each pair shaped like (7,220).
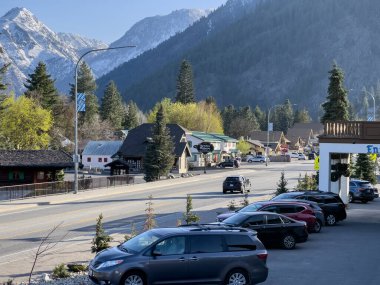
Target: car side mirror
(156,252)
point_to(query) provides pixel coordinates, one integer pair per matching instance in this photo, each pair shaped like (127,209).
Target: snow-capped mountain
(145,35)
(25,41)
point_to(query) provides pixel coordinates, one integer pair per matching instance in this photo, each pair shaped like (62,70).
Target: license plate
(231,185)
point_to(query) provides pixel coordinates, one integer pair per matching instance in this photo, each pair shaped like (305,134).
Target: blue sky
(105,20)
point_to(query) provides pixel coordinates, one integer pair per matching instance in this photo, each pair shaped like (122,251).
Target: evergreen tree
(261,118)
(3,86)
(302,116)
(101,239)
(281,185)
(185,86)
(210,100)
(40,87)
(159,156)
(131,119)
(337,106)
(365,168)
(112,106)
(86,84)
(284,116)
(189,217)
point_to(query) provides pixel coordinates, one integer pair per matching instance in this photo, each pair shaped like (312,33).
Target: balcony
(351,132)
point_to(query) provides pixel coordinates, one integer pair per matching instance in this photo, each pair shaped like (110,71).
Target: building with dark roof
(278,143)
(133,149)
(32,166)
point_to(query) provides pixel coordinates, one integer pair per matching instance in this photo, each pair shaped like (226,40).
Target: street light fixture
(76,156)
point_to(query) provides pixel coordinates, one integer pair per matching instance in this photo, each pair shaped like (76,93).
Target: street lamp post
(76,156)
(374,104)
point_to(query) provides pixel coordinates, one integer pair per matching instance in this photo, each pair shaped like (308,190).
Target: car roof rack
(210,227)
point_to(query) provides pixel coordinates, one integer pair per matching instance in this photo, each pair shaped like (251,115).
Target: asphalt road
(22,230)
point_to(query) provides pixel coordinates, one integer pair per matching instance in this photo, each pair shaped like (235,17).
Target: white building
(98,153)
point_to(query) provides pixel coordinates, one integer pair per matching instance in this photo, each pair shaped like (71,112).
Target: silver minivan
(197,254)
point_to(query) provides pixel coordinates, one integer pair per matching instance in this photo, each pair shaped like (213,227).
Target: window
(352,184)
(286,221)
(88,159)
(171,246)
(40,175)
(273,220)
(206,244)
(286,209)
(105,159)
(239,243)
(255,220)
(99,159)
(299,209)
(270,209)
(16,175)
(190,144)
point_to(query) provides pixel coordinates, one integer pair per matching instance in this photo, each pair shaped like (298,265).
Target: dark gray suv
(199,254)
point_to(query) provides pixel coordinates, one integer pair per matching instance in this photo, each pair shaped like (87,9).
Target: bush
(60,271)
(101,239)
(77,267)
(232,206)
(190,217)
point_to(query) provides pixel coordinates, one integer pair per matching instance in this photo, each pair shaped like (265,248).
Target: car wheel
(289,242)
(317,226)
(350,198)
(250,161)
(133,278)
(262,161)
(236,277)
(331,220)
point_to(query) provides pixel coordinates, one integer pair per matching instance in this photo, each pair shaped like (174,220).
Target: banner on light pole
(81,102)
(270,127)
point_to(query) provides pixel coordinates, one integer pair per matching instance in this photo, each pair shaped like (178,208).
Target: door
(274,229)
(256,222)
(169,263)
(206,260)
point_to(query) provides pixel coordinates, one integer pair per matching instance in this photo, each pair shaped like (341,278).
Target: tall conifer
(185,86)
(131,119)
(112,106)
(337,105)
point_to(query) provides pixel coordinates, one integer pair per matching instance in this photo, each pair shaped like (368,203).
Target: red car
(295,210)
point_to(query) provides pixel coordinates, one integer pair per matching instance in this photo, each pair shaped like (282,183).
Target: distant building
(278,143)
(304,136)
(133,149)
(97,154)
(32,166)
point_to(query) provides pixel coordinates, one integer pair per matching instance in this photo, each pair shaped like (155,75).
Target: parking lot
(347,253)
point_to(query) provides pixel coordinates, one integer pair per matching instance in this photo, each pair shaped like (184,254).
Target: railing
(343,129)
(62,187)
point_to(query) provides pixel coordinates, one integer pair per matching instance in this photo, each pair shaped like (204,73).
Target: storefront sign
(371,149)
(205,147)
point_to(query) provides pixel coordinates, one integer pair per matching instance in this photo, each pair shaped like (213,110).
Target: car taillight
(263,256)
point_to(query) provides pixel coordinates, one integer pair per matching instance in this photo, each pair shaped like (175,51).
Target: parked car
(332,205)
(258,158)
(293,154)
(236,183)
(167,255)
(295,210)
(272,229)
(361,190)
(301,156)
(228,163)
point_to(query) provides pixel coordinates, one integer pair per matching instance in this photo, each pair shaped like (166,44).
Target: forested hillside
(261,55)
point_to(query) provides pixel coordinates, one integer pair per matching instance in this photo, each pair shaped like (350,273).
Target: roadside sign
(205,147)
(316,163)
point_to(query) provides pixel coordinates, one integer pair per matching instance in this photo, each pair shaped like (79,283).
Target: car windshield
(365,184)
(236,219)
(251,208)
(232,179)
(140,242)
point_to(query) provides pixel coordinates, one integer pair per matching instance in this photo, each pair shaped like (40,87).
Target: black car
(361,190)
(272,229)
(185,255)
(331,204)
(236,183)
(229,163)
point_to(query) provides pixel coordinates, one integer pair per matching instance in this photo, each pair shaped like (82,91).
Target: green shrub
(77,267)
(60,271)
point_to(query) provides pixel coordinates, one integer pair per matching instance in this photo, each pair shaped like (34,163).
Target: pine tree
(150,221)
(40,87)
(337,106)
(101,239)
(86,84)
(284,116)
(112,106)
(302,116)
(3,86)
(365,168)
(261,118)
(281,185)
(190,217)
(131,119)
(185,86)
(159,158)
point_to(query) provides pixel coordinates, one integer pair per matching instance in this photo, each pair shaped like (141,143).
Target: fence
(62,187)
